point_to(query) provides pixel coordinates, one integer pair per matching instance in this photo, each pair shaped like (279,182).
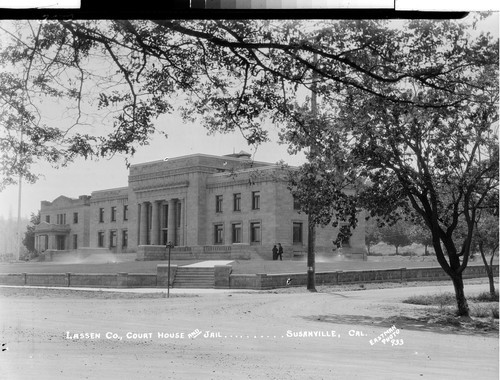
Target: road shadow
(442,324)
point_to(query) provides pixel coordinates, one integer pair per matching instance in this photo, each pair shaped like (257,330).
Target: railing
(217,248)
(181,249)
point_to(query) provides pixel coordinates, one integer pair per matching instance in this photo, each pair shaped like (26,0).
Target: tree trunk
(397,253)
(463,307)
(311,282)
(489,269)
(491,278)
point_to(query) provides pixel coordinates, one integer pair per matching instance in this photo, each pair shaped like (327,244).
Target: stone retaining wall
(101,280)
(272,281)
(225,280)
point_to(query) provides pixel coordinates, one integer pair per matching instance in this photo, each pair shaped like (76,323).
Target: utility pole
(19,232)
(169,246)
(311,227)
(19,227)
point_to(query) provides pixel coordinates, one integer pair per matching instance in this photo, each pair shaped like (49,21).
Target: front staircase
(192,277)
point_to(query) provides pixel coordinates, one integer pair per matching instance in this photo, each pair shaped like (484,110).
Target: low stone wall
(225,280)
(273,281)
(162,279)
(137,280)
(47,279)
(13,279)
(245,281)
(222,276)
(101,280)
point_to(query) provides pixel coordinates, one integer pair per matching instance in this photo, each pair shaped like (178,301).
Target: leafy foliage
(402,126)
(396,235)
(29,235)
(103,83)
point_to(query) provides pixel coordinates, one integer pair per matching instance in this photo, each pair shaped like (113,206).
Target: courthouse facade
(200,203)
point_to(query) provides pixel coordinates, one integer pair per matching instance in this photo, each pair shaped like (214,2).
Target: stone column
(171,220)
(155,225)
(143,229)
(181,229)
(52,241)
(162,222)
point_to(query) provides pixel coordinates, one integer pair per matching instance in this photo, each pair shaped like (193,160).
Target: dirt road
(266,335)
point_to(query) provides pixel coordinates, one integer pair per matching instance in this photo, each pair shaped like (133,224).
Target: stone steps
(191,277)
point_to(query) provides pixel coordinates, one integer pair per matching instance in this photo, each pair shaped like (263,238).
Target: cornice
(172,172)
(167,186)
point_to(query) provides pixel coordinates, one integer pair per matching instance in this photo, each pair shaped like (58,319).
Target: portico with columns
(161,221)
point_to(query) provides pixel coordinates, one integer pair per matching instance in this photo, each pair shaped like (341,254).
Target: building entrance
(60,242)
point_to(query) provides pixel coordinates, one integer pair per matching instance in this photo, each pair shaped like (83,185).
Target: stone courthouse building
(206,206)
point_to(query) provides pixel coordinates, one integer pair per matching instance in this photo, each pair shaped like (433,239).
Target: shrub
(441,299)
(409,253)
(484,311)
(485,297)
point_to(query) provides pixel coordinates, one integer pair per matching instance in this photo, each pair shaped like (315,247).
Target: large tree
(406,105)
(436,164)
(56,75)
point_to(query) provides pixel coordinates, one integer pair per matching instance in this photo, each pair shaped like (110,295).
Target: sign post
(169,246)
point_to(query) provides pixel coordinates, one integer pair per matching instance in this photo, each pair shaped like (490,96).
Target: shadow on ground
(443,324)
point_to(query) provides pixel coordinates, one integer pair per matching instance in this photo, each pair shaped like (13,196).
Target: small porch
(50,236)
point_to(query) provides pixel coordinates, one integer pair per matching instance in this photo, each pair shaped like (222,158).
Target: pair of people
(278,252)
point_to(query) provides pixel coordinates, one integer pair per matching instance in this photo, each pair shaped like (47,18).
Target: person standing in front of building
(280,252)
(275,253)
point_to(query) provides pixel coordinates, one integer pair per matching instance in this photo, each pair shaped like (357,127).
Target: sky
(82,177)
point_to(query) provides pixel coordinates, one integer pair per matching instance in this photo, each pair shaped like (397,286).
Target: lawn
(239,266)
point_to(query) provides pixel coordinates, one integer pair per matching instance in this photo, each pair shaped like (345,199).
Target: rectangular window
(125,212)
(112,239)
(165,216)
(47,218)
(255,200)
(101,215)
(236,232)
(113,214)
(255,232)
(75,241)
(219,234)
(296,205)
(75,218)
(297,232)
(100,239)
(218,203)
(61,218)
(124,239)
(237,202)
